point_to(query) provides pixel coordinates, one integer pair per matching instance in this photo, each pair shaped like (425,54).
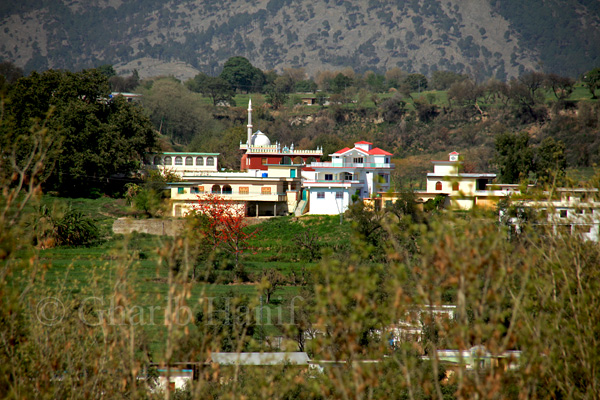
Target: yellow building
(260,193)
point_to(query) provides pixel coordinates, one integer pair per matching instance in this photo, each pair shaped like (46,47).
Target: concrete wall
(167,227)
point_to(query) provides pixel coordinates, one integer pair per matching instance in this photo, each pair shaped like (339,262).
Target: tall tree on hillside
(514,157)
(242,76)
(592,81)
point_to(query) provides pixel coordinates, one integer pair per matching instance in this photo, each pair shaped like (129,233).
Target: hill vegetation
(486,39)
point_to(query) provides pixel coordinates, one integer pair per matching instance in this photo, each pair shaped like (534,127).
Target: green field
(130,268)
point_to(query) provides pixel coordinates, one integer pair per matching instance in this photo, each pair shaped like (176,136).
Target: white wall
(328,205)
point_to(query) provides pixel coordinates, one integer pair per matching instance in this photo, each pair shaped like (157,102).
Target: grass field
(130,266)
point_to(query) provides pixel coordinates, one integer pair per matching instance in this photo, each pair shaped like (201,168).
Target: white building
(460,190)
(571,211)
(182,163)
(355,172)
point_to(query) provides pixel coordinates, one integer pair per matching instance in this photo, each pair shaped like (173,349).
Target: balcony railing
(336,181)
(350,165)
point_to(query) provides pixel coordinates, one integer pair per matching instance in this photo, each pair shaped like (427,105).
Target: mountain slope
(480,38)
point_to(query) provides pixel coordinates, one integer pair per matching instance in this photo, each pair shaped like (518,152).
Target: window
(455,186)
(227,189)
(189,161)
(320,195)
(263,161)
(199,161)
(157,160)
(210,161)
(339,195)
(168,160)
(244,190)
(178,160)
(265,190)
(194,190)
(286,160)
(563,213)
(347,176)
(438,186)
(383,178)
(328,177)
(357,160)
(180,190)
(216,189)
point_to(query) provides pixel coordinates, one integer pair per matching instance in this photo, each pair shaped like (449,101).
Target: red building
(259,152)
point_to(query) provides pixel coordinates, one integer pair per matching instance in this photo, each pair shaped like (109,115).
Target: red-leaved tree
(224,225)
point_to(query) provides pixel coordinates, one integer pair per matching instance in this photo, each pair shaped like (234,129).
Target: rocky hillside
(484,38)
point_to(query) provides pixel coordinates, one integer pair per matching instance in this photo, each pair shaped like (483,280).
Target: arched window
(199,161)
(286,160)
(438,186)
(157,160)
(347,176)
(168,160)
(309,160)
(178,160)
(189,161)
(216,189)
(298,160)
(455,186)
(210,161)
(227,189)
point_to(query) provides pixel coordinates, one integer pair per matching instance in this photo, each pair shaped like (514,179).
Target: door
(292,173)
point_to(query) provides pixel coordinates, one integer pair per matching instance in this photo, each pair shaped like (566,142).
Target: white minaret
(249,124)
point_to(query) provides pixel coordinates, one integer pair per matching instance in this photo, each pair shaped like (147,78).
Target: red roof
(363,142)
(379,152)
(345,149)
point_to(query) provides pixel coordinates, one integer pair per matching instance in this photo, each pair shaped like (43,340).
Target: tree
(218,89)
(592,81)
(99,138)
(561,86)
(416,82)
(393,109)
(271,280)
(442,80)
(340,82)
(276,97)
(514,157)
(241,75)
(225,226)
(550,161)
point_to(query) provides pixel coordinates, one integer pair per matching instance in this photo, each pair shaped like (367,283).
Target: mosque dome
(259,139)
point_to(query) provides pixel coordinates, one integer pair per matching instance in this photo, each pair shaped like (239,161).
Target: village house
(183,164)
(456,189)
(566,211)
(351,175)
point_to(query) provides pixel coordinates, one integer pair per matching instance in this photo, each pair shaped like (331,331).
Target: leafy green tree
(550,161)
(306,86)
(241,75)
(276,97)
(514,157)
(219,90)
(416,82)
(592,81)
(99,138)
(442,80)
(340,83)
(107,70)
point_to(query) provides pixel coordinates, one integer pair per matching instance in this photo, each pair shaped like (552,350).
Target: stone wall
(167,227)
